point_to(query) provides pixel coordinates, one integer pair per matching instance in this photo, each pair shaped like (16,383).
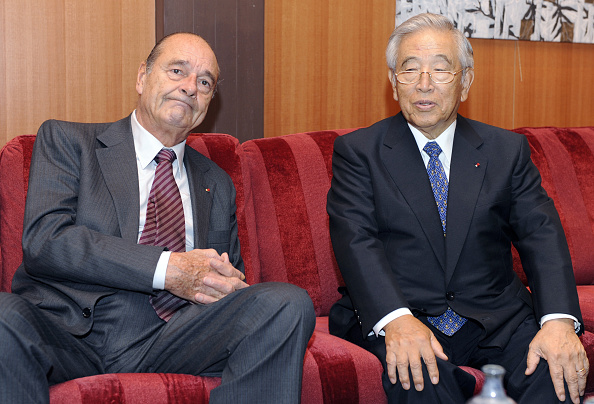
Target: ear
(394,83)
(466,83)
(140,78)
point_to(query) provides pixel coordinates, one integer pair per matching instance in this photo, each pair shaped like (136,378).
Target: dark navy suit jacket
(389,243)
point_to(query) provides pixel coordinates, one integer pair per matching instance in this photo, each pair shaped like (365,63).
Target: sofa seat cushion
(135,388)
(334,371)
(586,296)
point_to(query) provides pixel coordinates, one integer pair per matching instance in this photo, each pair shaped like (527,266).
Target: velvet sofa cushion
(135,388)
(334,371)
(286,239)
(564,157)
(226,151)
(15,159)
(290,178)
(328,362)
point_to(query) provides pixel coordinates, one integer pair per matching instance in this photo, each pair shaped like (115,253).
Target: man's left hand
(558,344)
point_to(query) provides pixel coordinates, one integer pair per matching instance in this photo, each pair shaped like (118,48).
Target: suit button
(86,312)
(450,296)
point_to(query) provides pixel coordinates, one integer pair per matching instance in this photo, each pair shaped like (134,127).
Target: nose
(424,82)
(189,87)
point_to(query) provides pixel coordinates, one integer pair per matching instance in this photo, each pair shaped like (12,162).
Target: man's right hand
(202,276)
(409,343)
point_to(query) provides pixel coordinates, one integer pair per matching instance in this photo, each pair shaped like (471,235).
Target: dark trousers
(456,386)
(255,339)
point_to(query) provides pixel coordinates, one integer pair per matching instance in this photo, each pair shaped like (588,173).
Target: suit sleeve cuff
(378,328)
(554,316)
(161,270)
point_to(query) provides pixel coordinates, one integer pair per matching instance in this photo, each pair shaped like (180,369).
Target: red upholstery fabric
(290,179)
(328,360)
(15,159)
(226,152)
(347,373)
(283,227)
(565,157)
(135,388)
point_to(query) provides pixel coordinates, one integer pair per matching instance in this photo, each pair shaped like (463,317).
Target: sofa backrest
(15,159)
(564,157)
(226,151)
(291,176)
(282,184)
(290,179)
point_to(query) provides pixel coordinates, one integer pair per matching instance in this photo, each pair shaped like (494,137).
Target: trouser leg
(254,338)
(36,353)
(536,388)
(455,385)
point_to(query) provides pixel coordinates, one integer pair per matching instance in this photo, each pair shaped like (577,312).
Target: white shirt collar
(147,146)
(445,140)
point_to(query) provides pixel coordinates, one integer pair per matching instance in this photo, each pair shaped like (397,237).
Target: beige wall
(325,69)
(70,59)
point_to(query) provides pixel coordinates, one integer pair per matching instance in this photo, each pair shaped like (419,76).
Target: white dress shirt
(147,146)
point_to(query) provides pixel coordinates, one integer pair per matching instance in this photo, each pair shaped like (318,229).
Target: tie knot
(165,155)
(432,149)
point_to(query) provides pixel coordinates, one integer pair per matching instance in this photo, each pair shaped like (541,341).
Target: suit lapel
(117,161)
(402,159)
(202,190)
(467,172)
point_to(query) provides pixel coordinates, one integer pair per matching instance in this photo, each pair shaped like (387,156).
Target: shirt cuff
(553,316)
(378,328)
(161,270)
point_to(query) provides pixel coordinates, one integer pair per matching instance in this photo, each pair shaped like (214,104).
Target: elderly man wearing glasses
(424,207)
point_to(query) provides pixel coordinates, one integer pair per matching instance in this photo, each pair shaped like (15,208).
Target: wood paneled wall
(325,69)
(523,83)
(324,64)
(74,60)
(235,31)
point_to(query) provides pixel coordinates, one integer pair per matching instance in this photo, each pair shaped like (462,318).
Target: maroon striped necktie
(165,225)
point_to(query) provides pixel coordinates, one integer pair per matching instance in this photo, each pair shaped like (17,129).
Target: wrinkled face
(428,106)
(176,91)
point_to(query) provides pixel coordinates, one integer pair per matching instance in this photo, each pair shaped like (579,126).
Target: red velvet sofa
(283,227)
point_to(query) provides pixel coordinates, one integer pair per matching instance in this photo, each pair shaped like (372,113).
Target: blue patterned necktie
(439,181)
(450,321)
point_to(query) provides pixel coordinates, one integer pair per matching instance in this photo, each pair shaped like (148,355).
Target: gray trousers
(255,339)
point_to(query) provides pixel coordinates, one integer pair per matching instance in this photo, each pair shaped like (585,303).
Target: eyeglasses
(410,77)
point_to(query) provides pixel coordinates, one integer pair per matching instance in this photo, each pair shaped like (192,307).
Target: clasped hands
(202,276)
(409,344)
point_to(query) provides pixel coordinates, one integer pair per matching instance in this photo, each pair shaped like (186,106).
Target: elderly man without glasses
(131,260)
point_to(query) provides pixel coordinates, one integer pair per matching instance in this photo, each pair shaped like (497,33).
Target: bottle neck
(493,386)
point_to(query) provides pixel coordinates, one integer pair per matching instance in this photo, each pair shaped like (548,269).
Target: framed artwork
(532,20)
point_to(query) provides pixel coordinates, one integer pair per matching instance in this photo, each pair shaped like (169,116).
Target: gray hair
(429,21)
